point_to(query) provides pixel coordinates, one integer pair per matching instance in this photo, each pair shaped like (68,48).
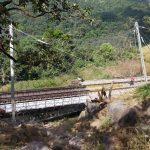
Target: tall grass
(143,92)
(91,72)
(63,80)
(87,73)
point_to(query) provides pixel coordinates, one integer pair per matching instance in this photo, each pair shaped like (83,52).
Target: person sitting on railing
(132,81)
(80,79)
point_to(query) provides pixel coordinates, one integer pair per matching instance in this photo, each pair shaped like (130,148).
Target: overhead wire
(142,39)
(33,37)
(38,40)
(144,27)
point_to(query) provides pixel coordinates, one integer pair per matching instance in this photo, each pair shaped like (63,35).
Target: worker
(80,79)
(132,81)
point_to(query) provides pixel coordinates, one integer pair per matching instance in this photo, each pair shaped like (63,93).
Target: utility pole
(141,52)
(12,74)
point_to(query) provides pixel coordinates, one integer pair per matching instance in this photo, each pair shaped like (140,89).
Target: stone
(121,115)
(129,118)
(83,115)
(91,109)
(116,110)
(36,145)
(76,142)
(147,112)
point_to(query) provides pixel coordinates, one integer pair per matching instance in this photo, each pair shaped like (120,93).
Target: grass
(91,72)
(3,147)
(143,92)
(87,73)
(146,51)
(63,80)
(125,68)
(106,123)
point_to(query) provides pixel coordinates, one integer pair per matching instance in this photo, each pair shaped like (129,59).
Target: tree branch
(29,14)
(3,51)
(6,2)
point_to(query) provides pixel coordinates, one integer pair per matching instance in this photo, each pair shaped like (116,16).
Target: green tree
(146,20)
(56,9)
(104,54)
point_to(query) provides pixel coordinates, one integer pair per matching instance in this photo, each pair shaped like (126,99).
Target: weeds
(63,80)
(143,92)
(107,122)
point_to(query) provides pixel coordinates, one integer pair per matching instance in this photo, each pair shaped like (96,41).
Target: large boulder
(116,110)
(122,115)
(129,118)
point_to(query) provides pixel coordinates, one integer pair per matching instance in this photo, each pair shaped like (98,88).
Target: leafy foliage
(143,91)
(104,54)
(56,9)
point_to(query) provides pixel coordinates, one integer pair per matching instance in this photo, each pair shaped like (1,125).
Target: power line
(142,27)
(146,44)
(33,37)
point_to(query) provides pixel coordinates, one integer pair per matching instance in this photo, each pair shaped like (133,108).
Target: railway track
(63,96)
(115,81)
(83,89)
(64,100)
(40,94)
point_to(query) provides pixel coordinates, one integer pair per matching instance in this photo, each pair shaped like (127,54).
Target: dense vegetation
(97,37)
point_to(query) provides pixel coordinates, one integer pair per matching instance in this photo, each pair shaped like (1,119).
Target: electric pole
(12,74)
(141,52)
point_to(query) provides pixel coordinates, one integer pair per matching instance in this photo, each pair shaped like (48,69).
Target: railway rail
(82,88)
(39,94)
(115,81)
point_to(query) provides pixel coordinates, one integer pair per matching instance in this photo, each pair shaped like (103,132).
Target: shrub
(104,54)
(143,91)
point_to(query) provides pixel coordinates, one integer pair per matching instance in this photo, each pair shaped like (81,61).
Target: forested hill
(110,20)
(76,42)
(108,17)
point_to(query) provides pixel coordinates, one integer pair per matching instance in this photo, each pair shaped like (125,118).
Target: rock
(146,104)
(76,142)
(116,110)
(83,115)
(91,109)
(121,115)
(147,112)
(57,148)
(129,118)
(3,124)
(144,127)
(35,146)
